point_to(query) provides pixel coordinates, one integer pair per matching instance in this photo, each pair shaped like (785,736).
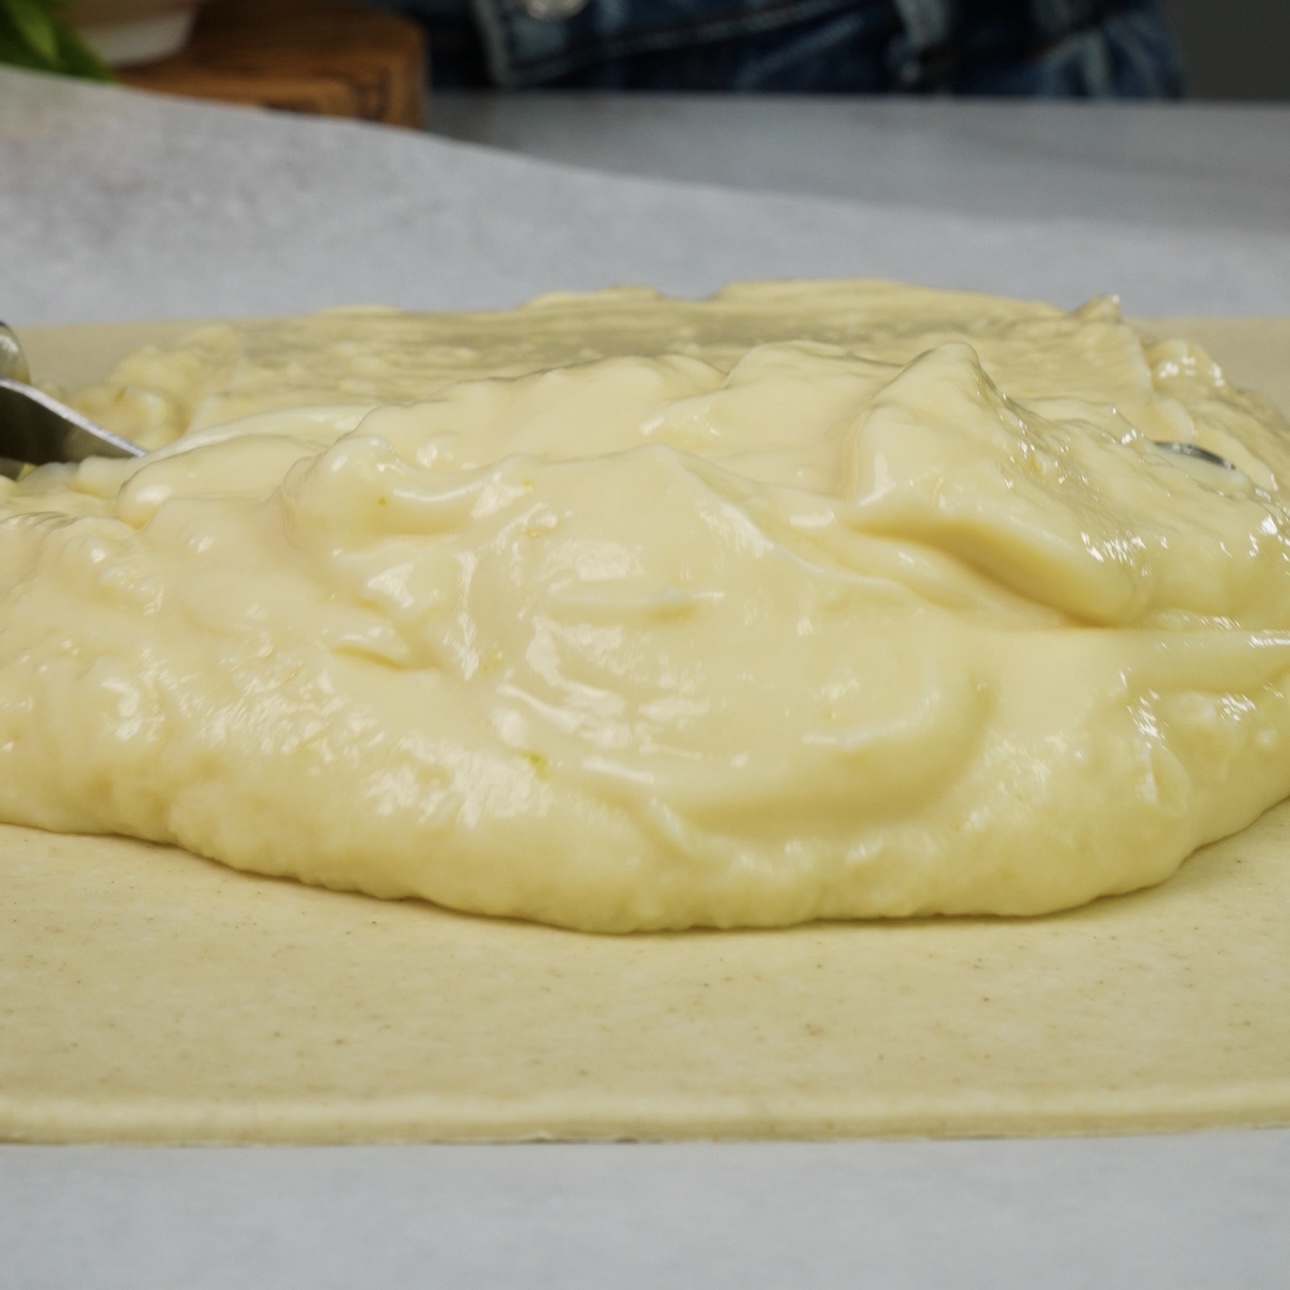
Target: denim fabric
(1056,48)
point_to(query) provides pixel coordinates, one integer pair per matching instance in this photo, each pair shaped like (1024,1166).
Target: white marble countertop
(114,205)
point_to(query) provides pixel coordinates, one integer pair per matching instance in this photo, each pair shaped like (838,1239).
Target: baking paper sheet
(117,205)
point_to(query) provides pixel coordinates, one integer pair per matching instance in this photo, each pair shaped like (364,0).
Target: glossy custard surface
(818,600)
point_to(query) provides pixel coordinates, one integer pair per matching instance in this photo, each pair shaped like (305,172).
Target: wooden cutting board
(320,57)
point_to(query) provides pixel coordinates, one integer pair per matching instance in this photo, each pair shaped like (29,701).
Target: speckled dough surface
(149,996)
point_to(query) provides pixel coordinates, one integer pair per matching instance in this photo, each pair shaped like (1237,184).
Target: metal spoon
(1195,450)
(36,429)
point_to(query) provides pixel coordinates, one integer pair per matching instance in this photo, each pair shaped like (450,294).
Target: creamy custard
(809,601)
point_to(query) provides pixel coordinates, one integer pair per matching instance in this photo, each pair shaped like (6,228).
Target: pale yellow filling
(809,601)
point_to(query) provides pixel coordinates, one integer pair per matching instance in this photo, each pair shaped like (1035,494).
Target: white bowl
(125,32)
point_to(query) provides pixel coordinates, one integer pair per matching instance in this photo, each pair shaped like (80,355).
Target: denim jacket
(1087,48)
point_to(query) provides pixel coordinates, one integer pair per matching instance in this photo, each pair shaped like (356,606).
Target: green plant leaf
(35,24)
(76,58)
(32,37)
(14,50)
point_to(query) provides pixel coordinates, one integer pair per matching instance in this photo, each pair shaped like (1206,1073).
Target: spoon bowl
(36,429)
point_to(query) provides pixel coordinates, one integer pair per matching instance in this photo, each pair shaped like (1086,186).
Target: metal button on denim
(553,10)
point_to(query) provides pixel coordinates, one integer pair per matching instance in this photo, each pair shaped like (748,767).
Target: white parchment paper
(119,205)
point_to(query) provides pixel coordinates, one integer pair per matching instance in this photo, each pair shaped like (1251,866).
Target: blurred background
(1234,49)
(379,59)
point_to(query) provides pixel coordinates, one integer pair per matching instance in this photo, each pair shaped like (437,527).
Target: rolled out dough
(149,996)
